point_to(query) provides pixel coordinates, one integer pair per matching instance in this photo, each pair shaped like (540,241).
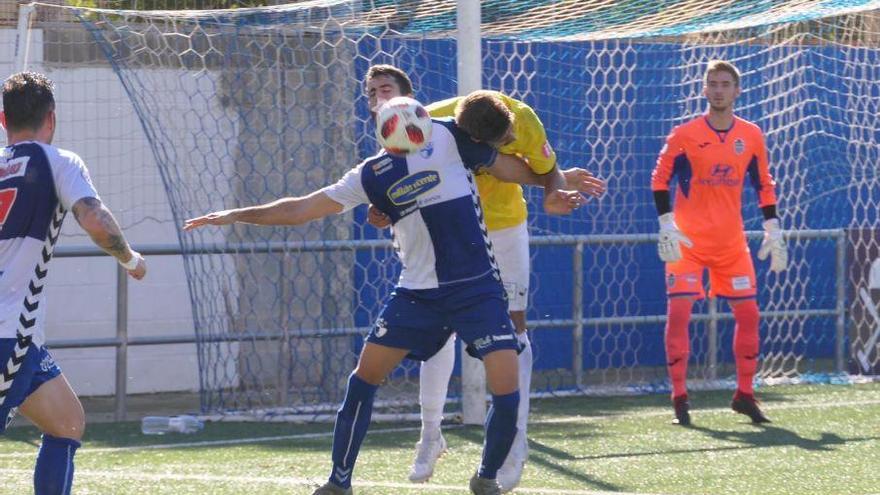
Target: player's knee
(677,349)
(373,377)
(502,374)
(72,426)
(747,315)
(504,387)
(746,341)
(746,345)
(677,342)
(746,348)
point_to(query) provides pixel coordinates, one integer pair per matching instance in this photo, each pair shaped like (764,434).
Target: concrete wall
(97,121)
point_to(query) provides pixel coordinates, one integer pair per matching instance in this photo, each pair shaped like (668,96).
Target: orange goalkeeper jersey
(710,167)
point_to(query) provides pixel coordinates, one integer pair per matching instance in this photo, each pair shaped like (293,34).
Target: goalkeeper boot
(331,488)
(682,410)
(484,486)
(427,453)
(746,404)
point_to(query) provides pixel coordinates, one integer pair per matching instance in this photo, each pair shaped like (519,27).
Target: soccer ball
(403,126)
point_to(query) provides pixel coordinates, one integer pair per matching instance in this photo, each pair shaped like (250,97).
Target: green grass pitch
(823,440)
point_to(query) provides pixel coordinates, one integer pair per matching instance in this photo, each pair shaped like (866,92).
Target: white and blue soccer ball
(403,126)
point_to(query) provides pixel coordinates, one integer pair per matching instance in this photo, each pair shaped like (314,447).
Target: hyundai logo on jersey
(721,174)
(407,189)
(721,170)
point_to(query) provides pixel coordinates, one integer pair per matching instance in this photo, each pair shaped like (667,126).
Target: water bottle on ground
(160,425)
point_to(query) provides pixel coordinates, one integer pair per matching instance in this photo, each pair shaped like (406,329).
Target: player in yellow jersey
(505,215)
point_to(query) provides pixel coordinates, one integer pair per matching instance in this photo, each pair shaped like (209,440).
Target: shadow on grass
(768,435)
(763,436)
(548,458)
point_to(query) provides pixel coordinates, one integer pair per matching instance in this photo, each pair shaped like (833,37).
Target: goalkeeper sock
(352,422)
(434,377)
(677,342)
(53,474)
(500,431)
(746,344)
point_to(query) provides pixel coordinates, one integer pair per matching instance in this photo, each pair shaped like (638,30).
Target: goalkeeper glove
(671,238)
(773,245)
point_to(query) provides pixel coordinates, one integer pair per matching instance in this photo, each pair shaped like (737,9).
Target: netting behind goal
(241,107)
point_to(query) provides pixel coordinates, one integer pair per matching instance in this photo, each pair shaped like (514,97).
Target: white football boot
(511,471)
(427,453)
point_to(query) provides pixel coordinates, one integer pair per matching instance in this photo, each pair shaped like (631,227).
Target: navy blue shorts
(421,321)
(38,368)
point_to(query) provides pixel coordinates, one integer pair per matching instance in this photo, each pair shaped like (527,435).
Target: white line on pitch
(231,441)
(292,481)
(553,420)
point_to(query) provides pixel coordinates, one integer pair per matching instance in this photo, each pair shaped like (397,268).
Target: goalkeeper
(505,215)
(710,158)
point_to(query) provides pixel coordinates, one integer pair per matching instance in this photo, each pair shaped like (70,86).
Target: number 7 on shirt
(7,198)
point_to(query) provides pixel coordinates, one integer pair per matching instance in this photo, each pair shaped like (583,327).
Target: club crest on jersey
(407,189)
(427,151)
(381,328)
(14,168)
(47,363)
(670,281)
(739,146)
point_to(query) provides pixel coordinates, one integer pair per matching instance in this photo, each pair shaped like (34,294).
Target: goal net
(238,107)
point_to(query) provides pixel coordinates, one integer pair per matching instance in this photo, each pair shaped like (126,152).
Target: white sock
(525,381)
(433,385)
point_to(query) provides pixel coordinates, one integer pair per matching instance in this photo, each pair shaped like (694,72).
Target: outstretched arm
(285,211)
(99,223)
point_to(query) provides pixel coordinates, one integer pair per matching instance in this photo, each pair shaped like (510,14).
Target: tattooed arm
(98,222)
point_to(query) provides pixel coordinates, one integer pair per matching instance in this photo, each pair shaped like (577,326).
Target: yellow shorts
(731,274)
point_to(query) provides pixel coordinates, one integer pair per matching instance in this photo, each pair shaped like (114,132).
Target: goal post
(469,69)
(23,36)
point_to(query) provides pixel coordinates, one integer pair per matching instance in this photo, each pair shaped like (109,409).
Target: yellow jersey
(503,202)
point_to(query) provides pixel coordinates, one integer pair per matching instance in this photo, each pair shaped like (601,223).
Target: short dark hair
(722,66)
(484,116)
(27,100)
(399,76)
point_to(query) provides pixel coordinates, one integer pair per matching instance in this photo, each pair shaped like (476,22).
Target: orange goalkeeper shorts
(731,274)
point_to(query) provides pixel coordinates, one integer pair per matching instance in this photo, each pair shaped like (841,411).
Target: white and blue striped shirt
(38,184)
(432,200)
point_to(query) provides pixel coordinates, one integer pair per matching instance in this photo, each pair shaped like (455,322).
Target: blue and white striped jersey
(38,184)
(431,197)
